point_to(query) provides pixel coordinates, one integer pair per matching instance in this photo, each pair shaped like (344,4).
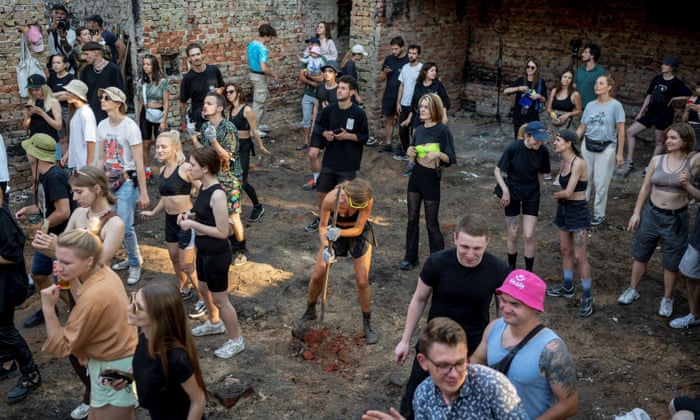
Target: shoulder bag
(27,66)
(153,115)
(504,364)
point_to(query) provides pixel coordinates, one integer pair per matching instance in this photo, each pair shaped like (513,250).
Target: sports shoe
(372,141)
(200,309)
(303,146)
(121,265)
(371,334)
(80,412)
(628,296)
(34,320)
(586,307)
(596,220)
(230,348)
(547,177)
(264,127)
(11,372)
(385,148)
(187,294)
(401,157)
(240,257)
(256,214)
(134,275)
(310,185)
(561,291)
(208,329)
(684,322)
(313,226)
(407,172)
(25,384)
(666,307)
(625,170)
(406,265)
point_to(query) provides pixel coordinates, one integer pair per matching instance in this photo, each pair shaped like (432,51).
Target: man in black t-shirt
(343,132)
(460,283)
(196,84)
(99,74)
(391,68)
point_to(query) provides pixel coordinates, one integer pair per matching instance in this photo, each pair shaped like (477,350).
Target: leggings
(244,152)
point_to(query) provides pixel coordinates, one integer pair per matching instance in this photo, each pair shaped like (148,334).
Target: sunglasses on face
(531,67)
(105,98)
(230,92)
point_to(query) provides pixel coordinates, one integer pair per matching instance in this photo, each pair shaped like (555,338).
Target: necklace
(98,215)
(101,66)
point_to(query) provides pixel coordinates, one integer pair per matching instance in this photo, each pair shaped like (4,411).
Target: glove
(328,255)
(333,233)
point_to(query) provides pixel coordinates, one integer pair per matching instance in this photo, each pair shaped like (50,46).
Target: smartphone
(27,105)
(115,374)
(337,131)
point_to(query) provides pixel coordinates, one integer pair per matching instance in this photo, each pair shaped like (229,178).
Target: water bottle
(210,134)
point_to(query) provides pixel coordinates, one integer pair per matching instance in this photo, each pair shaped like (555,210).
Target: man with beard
(99,74)
(201,80)
(390,73)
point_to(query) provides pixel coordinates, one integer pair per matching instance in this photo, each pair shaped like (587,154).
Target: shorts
(529,208)
(232,186)
(42,264)
(572,216)
(307,110)
(689,404)
(424,181)
(328,179)
(389,107)
(660,121)
(149,130)
(103,394)
(690,263)
(659,224)
(173,233)
(357,246)
(212,269)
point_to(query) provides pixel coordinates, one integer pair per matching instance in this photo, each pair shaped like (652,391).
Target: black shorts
(689,404)
(149,130)
(389,107)
(426,182)
(328,179)
(213,260)
(173,233)
(572,215)
(357,246)
(659,121)
(317,142)
(516,207)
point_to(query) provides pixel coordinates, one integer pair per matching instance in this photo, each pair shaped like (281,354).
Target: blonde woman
(43,113)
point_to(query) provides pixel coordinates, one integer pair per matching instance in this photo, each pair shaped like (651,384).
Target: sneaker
(644,172)
(309,315)
(134,275)
(385,148)
(10,372)
(240,257)
(34,320)
(596,220)
(406,265)
(200,309)
(310,185)
(407,172)
(188,294)
(561,291)
(303,146)
(586,307)
(80,412)
(547,177)
(256,214)
(313,226)
(666,307)
(262,134)
(230,348)
(556,182)
(684,322)
(208,329)
(371,334)
(401,157)
(628,296)
(625,170)
(264,127)
(121,265)
(372,141)
(25,384)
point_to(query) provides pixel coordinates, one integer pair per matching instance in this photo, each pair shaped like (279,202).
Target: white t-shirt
(115,145)
(4,172)
(408,77)
(82,131)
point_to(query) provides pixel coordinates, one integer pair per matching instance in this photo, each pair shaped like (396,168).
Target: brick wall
(458,35)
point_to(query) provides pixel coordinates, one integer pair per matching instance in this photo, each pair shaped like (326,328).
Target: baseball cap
(358,49)
(670,61)
(36,40)
(329,65)
(35,81)
(95,18)
(315,49)
(526,287)
(313,40)
(536,130)
(41,146)
(92,46)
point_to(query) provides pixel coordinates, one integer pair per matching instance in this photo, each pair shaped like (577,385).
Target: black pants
(417,376)
(423,186)
(81,371)
(13,343)
(244,152)
(404,132)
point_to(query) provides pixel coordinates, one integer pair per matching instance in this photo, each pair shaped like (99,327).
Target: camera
(63,25)
(575,44)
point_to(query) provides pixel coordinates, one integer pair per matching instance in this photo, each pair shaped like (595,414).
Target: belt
(257,72)
(672,212)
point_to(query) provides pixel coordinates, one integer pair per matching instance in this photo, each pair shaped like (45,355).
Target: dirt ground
(625,357)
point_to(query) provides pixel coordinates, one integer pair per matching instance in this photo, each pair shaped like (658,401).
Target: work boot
(371,333)
(309,315)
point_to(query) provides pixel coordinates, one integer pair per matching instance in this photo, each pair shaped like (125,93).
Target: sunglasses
(531,67)
(230,92)
(105,98)
(355,205)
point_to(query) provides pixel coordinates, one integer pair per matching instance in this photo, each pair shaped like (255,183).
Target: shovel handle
(330,247)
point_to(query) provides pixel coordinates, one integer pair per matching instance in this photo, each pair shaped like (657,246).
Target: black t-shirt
(522,115)
(522,166)
(13,276)
(328,95)
(439,133)
(109,76)
(461,293)
(662,90)
(342,155)
(53,186)
(391,91)
(57,84)
(195,87)
(163,399)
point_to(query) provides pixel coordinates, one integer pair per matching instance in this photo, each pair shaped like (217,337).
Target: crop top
(668,182)
(347,219)
(174,184)
(239,120)
(564,180)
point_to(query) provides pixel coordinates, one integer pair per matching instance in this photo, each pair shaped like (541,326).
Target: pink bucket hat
(525,286)
(316,49)
(36,40)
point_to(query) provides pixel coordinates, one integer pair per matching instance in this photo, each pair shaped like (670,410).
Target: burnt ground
(625,357)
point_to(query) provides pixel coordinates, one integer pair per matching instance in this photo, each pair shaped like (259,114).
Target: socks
(316,174)
(512,259)
(366,318)
(568,278)
(586,283)
(529,262)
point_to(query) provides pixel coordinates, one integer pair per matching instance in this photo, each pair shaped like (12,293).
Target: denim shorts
(307,110)
(572,216)
(690,263)
(656,225)
(42,264)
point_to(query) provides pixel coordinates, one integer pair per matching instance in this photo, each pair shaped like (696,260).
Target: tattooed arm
(558,367)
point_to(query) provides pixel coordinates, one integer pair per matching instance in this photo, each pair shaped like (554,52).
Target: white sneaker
(264,127)
(666,307)
(684,322)
(628,296)
(80,412)
(262,134)
(121,265)
(208,329)
(134,275)
(230,348)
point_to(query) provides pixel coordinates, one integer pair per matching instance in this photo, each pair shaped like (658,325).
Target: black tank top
(346,219)
(37,124)
(240,121)
(566,104)
(203,212)
(174,184)
(564,180)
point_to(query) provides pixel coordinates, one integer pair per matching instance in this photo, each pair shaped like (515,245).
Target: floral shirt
(227,137)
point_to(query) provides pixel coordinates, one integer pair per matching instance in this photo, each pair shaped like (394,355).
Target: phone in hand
(116,374)
(337,131)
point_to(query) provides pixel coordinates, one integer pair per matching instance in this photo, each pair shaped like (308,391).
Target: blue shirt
(486,394)
(257,53)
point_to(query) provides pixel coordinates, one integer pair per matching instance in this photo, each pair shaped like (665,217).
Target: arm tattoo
(557,366)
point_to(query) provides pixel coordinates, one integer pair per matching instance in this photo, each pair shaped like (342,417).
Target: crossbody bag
(504,364)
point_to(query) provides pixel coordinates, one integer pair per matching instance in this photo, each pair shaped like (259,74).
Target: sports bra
(240,121)
(346,219)
(564,180)
(668,182)
(174,184)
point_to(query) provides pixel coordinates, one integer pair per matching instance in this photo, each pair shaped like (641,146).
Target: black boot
(309,315)
(371,333)
(26,383)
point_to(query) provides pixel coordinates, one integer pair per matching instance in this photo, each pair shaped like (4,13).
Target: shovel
(329,264)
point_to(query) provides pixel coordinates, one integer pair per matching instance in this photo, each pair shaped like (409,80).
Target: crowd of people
(91,163)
